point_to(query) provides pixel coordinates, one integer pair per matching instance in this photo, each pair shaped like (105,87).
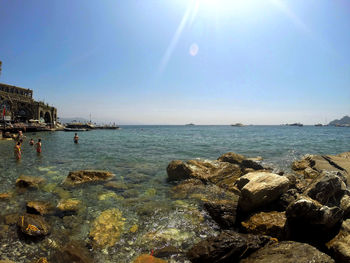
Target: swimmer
(17,151)
(76,138)
(38,146)
(31,142)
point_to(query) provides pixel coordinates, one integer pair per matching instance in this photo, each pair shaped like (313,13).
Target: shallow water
(138,156)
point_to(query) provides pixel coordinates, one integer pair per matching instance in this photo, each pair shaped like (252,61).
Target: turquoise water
(138,156)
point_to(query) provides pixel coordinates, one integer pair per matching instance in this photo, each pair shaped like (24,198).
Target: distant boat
(295,124)
(318,124)
(237,125)
(78,126)
(75,129)
(190,124)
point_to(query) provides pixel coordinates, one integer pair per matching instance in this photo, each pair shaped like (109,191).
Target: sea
(138,156)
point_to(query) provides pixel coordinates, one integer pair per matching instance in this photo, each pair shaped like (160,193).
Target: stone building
(19,106)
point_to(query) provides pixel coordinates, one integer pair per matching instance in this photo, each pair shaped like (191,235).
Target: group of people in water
(19,141)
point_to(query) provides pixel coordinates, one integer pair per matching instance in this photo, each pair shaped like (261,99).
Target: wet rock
(340,244)
(29,181)
(69,205)
(33,225)
(5,196)
(145,258)
(242,161)
(187,187)
(7,261)
(288,252)
(3,231)
(223,211)
(107,228)
(110,195)
(168,235)
(116,185)
(260,188)
(39,207)
(222,174)
(229,246)
(167,252)
(41,260)
(85,176)
(267,223)
(328,188)
(74,252)
(11,219)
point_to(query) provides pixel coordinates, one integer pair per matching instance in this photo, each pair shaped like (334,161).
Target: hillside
(343,121)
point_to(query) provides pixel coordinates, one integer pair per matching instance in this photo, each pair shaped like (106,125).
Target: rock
(242,161)
(107,228)
(84,176)
(72,252)
(168,235)
(288,197)
(11,219)
(288,252)
(7,261)
(116,185)
(260,188)
(29,181)
(328,188)
(33,225)
(41,260)
(145,258)
(229,246)
(109,195)
(222,174)
(267,223)
(167,252)
(177,170)
(223,211)
(340,244)
(5,196)
(345,205)
(69,205)
(39,207)
(186,188)
(311,165)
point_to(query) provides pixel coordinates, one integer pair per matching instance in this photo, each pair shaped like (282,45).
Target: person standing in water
(18,153)
(76,138)
(31,142)
(38,146)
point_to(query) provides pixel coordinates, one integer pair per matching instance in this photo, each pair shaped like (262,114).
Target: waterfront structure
(17,105)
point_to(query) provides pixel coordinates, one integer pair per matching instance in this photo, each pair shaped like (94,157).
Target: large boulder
(288,252)
(107,228)
(328,188)
(229,246)
(223,211)
(306,211)
(33,225)
(267,223)
(222,174)
(260,188)
(311,165)
(85,176)
(340,245)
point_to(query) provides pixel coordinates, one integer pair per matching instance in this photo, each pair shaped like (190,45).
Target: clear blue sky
(181,61)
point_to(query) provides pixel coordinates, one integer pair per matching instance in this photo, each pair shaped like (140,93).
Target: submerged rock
(39,207)
(288,252)
(167,235)
(340,245)
(11,219)
(5,196)
(145,258)
(72,252)
(85,176)
(29,181)
(41,260)
(116,185)
(33,225)
(107,228)
(260,188)
(267,223)
(229,246)
(223,211)
(69,205)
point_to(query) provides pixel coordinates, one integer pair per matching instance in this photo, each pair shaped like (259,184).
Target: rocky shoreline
(258,215)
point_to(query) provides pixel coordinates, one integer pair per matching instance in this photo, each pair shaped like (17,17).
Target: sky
(181,61)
